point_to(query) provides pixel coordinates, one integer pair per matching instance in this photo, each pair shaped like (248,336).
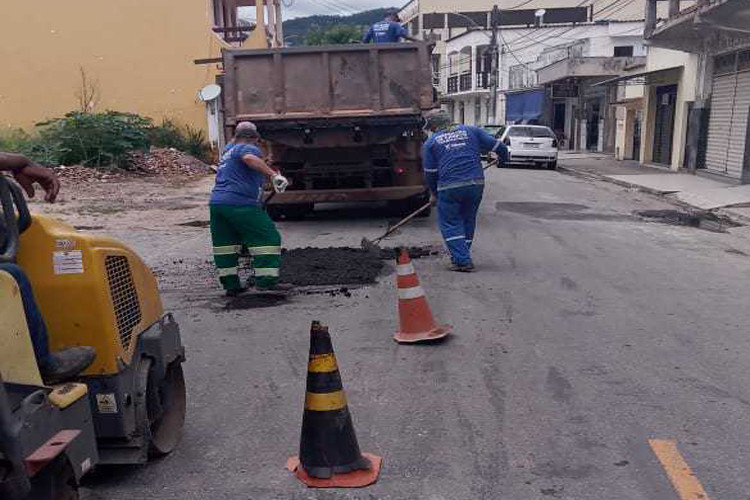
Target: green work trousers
(235,225)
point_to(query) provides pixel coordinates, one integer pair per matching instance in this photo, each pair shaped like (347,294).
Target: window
(624,51)
(434,21)
(530,132)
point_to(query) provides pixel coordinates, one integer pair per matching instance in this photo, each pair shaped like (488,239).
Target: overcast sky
(301,8)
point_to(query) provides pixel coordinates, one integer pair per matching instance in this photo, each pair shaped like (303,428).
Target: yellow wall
(140,53)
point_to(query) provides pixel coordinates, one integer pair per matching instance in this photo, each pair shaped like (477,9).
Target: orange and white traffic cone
(417,323)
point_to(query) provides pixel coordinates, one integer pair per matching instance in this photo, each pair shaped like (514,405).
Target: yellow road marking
(678,471)
(322,363)
(325,402)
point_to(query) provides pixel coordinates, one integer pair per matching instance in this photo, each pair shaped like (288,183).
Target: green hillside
(296,30)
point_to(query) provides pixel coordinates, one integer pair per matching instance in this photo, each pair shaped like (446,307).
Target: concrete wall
(139,52)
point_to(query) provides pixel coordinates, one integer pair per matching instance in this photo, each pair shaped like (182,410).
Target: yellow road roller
(129,405)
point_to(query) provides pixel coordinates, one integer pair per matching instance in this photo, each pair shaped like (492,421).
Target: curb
(736,218)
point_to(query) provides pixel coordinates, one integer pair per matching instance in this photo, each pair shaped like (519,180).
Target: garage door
(727,127)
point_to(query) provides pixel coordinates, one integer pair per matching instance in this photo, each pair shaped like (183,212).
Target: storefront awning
(633,76)
(524,106)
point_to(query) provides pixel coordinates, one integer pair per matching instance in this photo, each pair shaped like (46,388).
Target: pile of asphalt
(339,265)
(329,266)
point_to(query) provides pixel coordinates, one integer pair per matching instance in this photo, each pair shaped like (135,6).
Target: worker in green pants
(238,216)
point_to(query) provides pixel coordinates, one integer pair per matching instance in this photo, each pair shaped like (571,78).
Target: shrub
(18,141)
(96,139)
(184,138)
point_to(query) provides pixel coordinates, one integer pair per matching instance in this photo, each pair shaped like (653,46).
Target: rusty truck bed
(337,81)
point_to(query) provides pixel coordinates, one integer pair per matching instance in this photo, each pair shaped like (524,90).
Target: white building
(465,78)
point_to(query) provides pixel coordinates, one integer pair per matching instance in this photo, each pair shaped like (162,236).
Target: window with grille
(124,297)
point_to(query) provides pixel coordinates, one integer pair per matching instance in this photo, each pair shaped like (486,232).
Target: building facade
(713,38)
(550,53)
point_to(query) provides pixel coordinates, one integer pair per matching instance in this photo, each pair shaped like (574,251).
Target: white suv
(531,145)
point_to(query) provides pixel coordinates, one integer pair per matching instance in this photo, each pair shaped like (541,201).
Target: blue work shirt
(385,32)
(452,157)
(236,182)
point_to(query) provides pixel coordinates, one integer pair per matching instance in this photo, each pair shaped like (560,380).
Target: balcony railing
(464,83)
(452,84)
(483,80)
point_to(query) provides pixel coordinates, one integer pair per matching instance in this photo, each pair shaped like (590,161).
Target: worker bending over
(388,30)
(57,366)
(238,215)
(453,170)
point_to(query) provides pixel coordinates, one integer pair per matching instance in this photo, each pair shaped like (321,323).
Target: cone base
(429,336)
(354,479)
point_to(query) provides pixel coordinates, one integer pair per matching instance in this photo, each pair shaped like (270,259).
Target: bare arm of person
(27,172)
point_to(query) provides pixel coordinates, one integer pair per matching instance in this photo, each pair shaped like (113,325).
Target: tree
(335,35)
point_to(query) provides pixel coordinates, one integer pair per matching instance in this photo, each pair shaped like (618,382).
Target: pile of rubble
(158,162)
(169,162)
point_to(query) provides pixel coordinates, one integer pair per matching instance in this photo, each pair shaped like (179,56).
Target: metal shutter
(727,126)
(720,122)
(736,152)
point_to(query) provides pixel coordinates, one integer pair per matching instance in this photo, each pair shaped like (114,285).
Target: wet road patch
(255,301)
(557,211)
(700,220)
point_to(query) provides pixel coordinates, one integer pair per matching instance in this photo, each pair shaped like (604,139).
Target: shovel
(372,246)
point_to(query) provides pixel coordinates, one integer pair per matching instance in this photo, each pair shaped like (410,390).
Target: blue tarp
(522,107)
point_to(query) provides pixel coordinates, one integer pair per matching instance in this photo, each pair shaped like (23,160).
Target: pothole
(258,301)
(701,220)
(332,269)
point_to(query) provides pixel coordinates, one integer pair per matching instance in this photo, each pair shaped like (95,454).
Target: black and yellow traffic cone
(329,453)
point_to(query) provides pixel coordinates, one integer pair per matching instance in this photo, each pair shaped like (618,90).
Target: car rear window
(530,132)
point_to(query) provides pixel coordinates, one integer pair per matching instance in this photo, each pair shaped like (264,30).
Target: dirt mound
(158,162)
(169,162)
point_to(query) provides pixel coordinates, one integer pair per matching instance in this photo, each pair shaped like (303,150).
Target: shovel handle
(405,220)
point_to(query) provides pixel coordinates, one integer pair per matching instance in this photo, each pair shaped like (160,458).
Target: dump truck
(343,123)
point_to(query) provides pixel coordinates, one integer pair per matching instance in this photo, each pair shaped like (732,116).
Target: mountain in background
(296,30)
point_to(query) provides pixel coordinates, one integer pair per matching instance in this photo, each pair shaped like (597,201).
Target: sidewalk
(701,192)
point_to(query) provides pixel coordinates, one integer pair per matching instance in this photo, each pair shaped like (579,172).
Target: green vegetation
(101,139)
(298,30)
(335,35)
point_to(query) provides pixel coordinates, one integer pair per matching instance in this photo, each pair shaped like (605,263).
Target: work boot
(63,365)
(278,287)
(467,268)
(236,292)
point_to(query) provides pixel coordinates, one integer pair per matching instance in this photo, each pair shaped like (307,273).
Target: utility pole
(494,74)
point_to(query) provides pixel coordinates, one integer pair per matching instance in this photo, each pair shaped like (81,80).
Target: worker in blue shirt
(388,30)
(238,215)
(454,174)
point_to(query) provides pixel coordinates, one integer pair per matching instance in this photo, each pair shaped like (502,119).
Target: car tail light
(554,143)
(506,141)
(399,170)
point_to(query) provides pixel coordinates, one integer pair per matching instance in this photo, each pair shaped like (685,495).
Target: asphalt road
(585,333)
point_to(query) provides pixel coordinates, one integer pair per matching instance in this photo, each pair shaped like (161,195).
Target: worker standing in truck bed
(388,30)
(453,171)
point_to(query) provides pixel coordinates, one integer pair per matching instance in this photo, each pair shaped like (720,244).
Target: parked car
(531,145)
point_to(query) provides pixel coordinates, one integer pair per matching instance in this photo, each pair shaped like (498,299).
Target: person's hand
(280,183)
(433,199)
(45,177)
